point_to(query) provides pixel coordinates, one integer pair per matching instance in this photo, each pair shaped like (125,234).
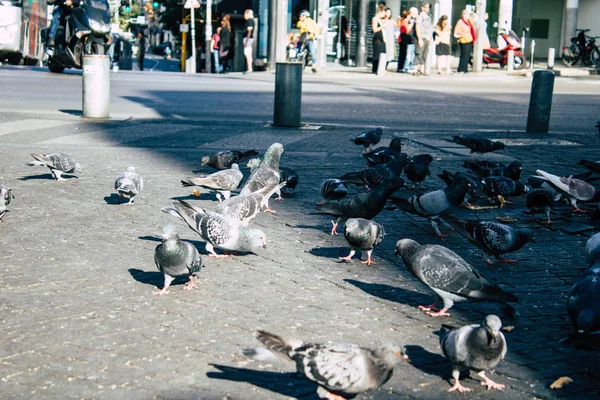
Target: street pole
(208,37)
(481,31)
(324,24)
(193,59)
(272,33)
(183,50)
(361,43)
(281,31)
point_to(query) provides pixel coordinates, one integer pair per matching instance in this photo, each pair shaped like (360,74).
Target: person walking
(388,33)
(403,40)
(225,43)
(424,31)
(141,49)
(464,32)
(308,32)
(412,42)
(248,39)
(378,26)
(442,44)
(215,45)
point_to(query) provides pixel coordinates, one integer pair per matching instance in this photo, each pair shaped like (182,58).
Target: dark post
(361,42)
(272,33)
(540,102)
(288,94)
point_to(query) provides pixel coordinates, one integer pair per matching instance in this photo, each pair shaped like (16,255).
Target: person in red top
(403,39)
(215,43)
(464,32)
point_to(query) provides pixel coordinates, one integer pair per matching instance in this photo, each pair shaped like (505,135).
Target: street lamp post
(193,27)
(208,37)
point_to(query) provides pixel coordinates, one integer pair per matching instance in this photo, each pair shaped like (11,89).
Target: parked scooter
(507,40)
(86,31)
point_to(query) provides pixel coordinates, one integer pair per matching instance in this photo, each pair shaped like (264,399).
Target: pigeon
(373,177)
(129,184)
(334,189)
(592,249)
(476,348)
(340,370)
(501,187)
(418,168)
(224,159)
(512,171)
(540,200)
(478,145)
(245,207)
(573,189)
(175,257)
(383,155)
(222,182)
(494,238)
(219,230)
(598,127)
(5,197)
(583,304)
(289,176)
(432,205)
(368,138)
(593,166)
(475,190)
(267,172)
(253,163)
(362,234)
(449,276)
(363,205)
(58,163)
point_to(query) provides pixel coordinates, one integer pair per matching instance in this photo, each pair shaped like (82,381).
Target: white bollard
(510,61)
(382,64)
(96,86)
(551,54)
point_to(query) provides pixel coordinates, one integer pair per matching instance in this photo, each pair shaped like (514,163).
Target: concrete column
(570,21)
(478,46)
(322,42)
(207,36)
(361,43)
(505,11)
(96,86)
(444,8)
(272,33)
(281,32)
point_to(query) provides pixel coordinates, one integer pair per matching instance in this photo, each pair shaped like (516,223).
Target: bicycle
(584,48)
(299,52)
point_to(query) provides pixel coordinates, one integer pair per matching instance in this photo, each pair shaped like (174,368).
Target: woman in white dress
(389,36)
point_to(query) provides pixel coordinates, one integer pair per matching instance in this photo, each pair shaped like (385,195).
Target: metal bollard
(96,86)
(540,102)
(382,64)
(510,61)
(551,53)
(288,94)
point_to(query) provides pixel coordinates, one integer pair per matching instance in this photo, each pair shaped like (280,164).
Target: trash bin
(125,55)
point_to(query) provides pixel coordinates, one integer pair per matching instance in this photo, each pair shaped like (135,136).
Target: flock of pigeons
(345,369)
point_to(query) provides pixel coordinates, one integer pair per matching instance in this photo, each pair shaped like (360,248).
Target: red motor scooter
(507,40)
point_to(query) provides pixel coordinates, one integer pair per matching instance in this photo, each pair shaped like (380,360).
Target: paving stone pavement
(80,321)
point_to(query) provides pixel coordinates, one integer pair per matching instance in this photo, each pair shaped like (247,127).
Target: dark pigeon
(475,348)
(290,177)
(362,234)
(433,205)
(475,189)
(383,155)
(418,168)
(368,138)
(373,177)
(224,159)
(593,166)
(339,369)
(478,145)
(500,187)
(572,189)
(57,163)
(592,249)
(334,189)
(364,205)
(598,127)
(449,276)
(512,171)
(583,304)
(175,257)
(540,201)
(5,197)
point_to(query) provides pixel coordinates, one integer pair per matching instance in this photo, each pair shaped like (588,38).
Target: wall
(589,16)
(552,10)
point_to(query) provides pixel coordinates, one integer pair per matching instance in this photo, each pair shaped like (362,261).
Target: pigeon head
(350,224)
(273,154)
(492,325)
(391,354)
(204,160)
(499,146)
(130,169)
(253,163)
(252,240)
(77,168)
(405,248)
(170,232)
(396,144)
(379,131)
(525,235)
(585,321)
(235,166)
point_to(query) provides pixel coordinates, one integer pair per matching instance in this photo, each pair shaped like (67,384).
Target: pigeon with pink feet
(362,234)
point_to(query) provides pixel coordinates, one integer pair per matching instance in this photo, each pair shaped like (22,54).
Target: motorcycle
(507,40)
(86,31)
(582,47)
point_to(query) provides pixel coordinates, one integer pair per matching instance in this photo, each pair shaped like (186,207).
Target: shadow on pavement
(429,363)
(392,293)
(115,200)
(46,177)
(285,383)
(329,252)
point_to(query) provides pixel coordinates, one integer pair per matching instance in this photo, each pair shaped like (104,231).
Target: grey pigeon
(175,257)
(334,189)
(368,138)
(592,249)
(583,304)
(500,187)
(449,276)
(340,370)
(245,207)
(362,234)
(475,190)
(222,182)
(373,177)
(58,163)
(478,145)
(573,189)
(364,205)
(267,172)
(383,155)
(225,159)
(253,163)
(476,348)
(433,205)
(129,184)
(219,230)
(540,201)
(494,238)
(5,197)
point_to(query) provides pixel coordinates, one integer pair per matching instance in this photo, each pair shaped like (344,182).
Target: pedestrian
(412,42)
(141,49)
(215,45)
(225,44)
(248,39)
(403,39)
(424,31)
(485,39)
(378,25)
(464,32)
(308,33)
(442,44)
(388,32)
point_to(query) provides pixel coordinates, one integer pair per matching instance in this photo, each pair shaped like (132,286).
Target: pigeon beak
(405,357)
(164,237)
(264,245)
(533,239)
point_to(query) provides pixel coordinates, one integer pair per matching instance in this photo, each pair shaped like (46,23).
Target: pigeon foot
(441,313)
(490,383)
(161,292)
(220,255)
(579,210)
(279,198)
(459,387)
(269,210)
(432,307)
(347,258)
(504,260)
(369,262)
(334,229)
(191,285)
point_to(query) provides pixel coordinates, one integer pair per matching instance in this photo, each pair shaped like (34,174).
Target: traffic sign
(184,27)
(141,19)
(191,4)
